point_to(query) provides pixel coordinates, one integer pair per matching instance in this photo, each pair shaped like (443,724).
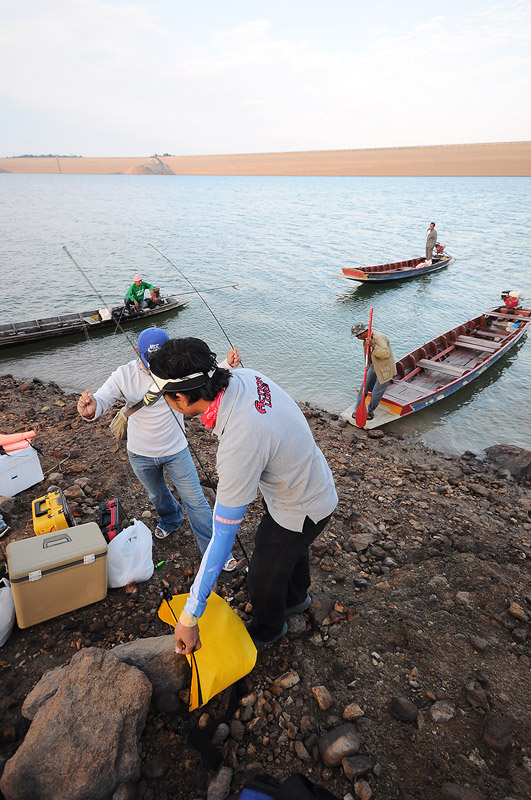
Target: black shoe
(370,415)
(261,645)
(300,607)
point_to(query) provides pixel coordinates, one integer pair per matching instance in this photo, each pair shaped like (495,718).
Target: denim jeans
(373,386)
(129,303)
(181,470)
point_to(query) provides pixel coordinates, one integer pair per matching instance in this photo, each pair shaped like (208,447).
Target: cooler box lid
(53,551)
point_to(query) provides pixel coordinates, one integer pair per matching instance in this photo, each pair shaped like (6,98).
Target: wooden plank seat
(501,334)
(481,347)
(441,366)
(510,317)
(474,340)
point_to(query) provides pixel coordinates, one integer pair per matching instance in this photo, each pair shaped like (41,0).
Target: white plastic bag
(129,556)
(7,610)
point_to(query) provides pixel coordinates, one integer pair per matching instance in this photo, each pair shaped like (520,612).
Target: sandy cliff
(501,158)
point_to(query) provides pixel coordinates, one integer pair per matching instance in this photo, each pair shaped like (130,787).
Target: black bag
(296,787)
(112,518)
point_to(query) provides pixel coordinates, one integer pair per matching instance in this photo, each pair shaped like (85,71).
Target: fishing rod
(192,448)
(211,289)
(98,295)
(196,291)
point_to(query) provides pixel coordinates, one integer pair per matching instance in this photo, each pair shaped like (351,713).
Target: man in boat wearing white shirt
(264,443)
(156,442)
(431,241)
(382,367)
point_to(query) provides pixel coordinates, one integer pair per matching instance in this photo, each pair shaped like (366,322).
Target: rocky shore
(409,676)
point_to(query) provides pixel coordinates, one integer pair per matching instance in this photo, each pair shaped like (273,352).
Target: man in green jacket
(382,367)
(135,294)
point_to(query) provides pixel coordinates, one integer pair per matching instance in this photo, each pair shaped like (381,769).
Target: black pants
(279,573)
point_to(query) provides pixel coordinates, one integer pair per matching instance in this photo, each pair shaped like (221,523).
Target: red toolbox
(112,518)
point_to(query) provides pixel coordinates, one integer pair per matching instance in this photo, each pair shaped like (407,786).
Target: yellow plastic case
(51,513)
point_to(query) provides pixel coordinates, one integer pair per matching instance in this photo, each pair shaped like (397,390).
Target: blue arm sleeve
(226,523)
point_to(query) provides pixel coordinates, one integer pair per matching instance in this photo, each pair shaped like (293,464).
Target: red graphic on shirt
(264,396)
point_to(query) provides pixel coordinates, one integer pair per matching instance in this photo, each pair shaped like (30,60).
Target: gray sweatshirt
(265,442)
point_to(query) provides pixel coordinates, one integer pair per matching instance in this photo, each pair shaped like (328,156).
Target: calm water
(282,240)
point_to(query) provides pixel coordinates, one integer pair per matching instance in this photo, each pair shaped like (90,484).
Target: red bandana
(211,414)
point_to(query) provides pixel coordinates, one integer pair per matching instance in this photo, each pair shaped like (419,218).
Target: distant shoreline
(490,159)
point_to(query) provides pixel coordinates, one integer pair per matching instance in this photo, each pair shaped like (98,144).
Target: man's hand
(187,639)
(136,303)
(86,405)
(234,358)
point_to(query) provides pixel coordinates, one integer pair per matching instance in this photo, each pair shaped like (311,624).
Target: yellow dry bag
(227,653)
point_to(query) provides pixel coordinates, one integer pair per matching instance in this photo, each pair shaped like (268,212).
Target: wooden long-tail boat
(448,362)
(411,267)
(84,322)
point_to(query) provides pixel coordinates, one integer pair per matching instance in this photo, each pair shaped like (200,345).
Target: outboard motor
(155,300)
(511,298)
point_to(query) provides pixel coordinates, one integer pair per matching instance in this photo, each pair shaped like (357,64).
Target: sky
(185,77)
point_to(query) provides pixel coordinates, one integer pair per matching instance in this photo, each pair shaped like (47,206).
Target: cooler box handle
(63,538)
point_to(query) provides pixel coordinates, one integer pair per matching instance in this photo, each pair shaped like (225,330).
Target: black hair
(432,223)
(177,358)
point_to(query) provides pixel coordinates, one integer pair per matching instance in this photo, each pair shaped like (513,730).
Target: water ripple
(282,240)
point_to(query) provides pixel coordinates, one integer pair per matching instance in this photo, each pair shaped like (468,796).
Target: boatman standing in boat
(431,241)
(156,442)
(264,443)
(382,367)
(135,294)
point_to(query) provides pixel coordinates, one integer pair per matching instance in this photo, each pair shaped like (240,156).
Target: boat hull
(19,333)
(390,410)
(393,272)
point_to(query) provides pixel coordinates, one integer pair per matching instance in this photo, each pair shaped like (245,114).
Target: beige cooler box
(57,572)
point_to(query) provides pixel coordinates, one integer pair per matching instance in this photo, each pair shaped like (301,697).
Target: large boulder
(512,459)
(83,741)
(156,657)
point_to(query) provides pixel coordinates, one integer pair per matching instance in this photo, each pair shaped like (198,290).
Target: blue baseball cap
(149,342)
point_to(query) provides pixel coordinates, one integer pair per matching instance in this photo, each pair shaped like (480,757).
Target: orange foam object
(16,441)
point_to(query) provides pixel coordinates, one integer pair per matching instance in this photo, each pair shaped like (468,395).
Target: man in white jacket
(156,442)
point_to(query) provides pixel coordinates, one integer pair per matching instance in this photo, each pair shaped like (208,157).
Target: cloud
(94,74)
